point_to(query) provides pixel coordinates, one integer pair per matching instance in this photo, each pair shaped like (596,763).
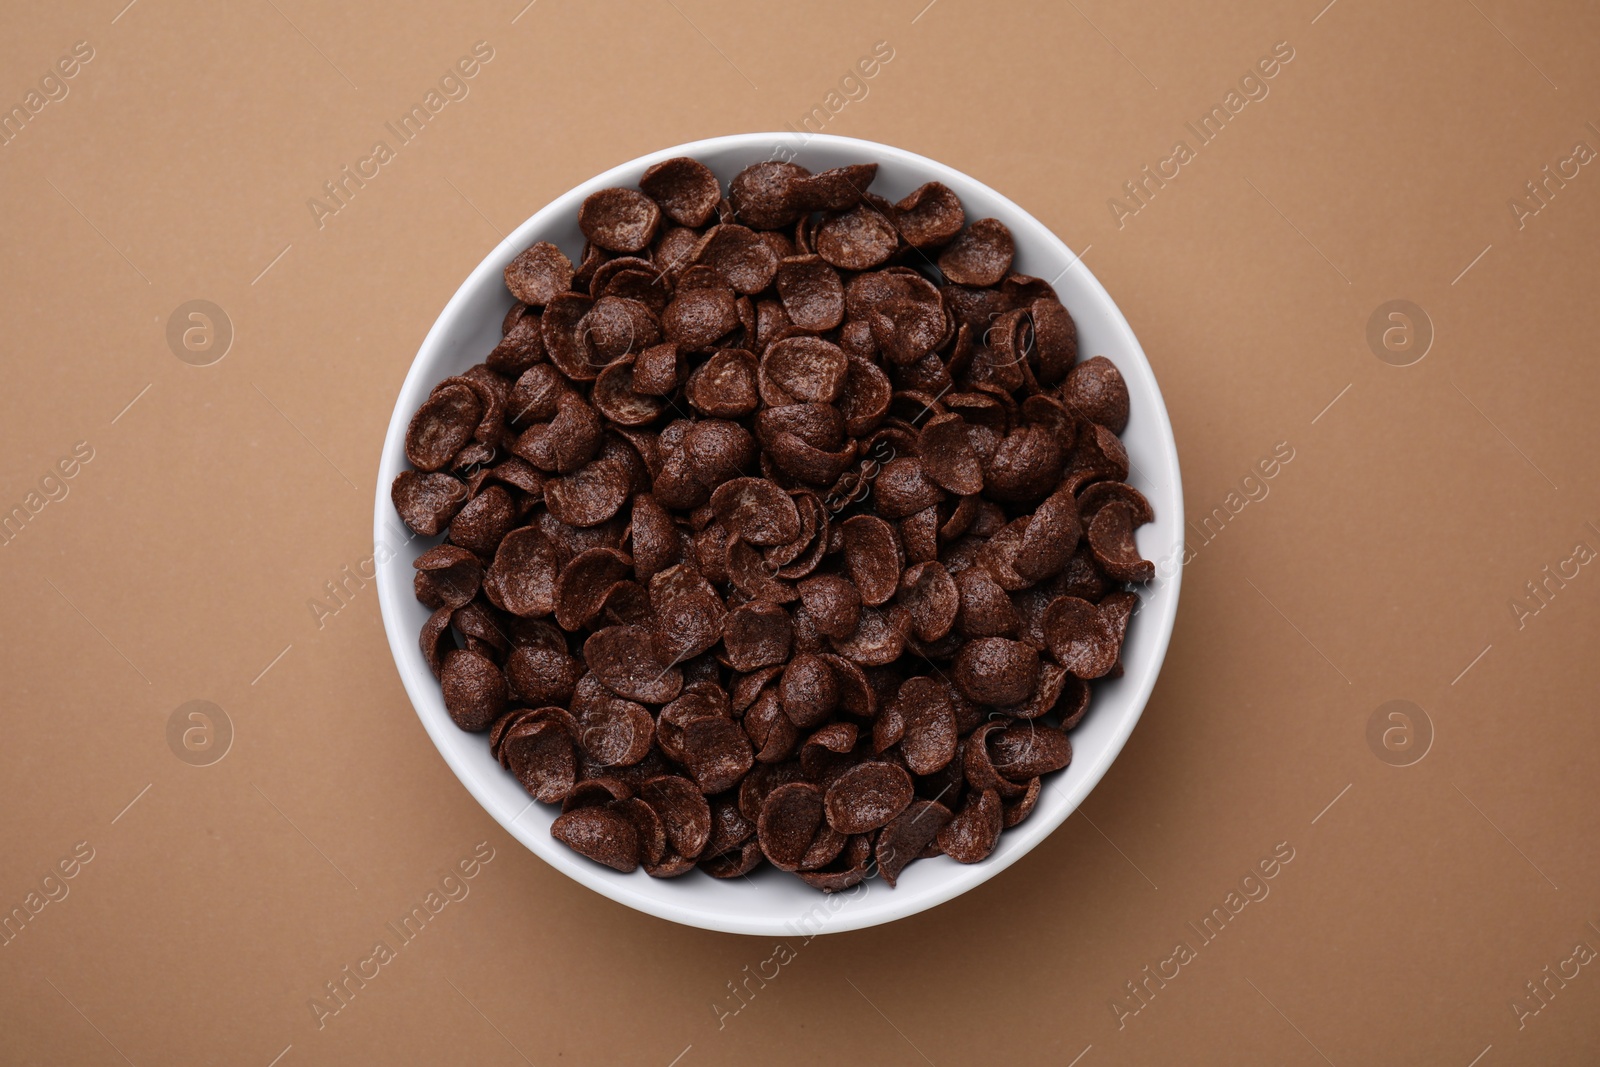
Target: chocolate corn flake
(977,761)
(717,753)
(948,456)
(919,536)
(1055,345)
(907,329)
(767,727)
(657,371)
(601,834)
(867,796)
(757,511)
(836,189)
(825,848)
(435,639)
(858,239)
(872,558)
(907,836)
(932,598)
(474,689)
(475,622)
(930,216)
(819,755)
(619,220)
(542,675)
(426,502)
(442,425)
(483,521)
(1024,751)
(996,670)
(973,832)
(985,609)
(540,754)
(616,733)
(856,696)
(561,329)
(850,867)
(767,541)
(1098,494)
(802,370)
(683,810)
(740,255)
(698,317)
(752,576)
(1097,455)
(735,863)
(617,396)
(674,252)
(757,634)
(688,612)
(879,638)
(447,576)
(1016,809)
(684,188)
(631,662)
(834,603)
(538,275)
(1049,538)
(1081,637)
(812,294)
(536,395)
(809,691)
(767,195)
(647,825)
(929,740)
(1094,389)
(672,865)
(1111,541)
(729,827)
(792,455)
(1026,465)
(980,256)
(866,395)
(583,583)
(590,495)
(790,816)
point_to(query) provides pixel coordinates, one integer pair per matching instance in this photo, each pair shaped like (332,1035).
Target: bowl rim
(415,675)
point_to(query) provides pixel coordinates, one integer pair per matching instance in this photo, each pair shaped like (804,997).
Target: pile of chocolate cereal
(785,527)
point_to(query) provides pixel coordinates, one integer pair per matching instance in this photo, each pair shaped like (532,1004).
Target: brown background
(1384,560)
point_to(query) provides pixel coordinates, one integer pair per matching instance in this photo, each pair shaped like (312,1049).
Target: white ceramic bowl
(770,903)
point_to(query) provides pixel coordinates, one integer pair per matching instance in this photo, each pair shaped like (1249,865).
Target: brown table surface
(1440,910)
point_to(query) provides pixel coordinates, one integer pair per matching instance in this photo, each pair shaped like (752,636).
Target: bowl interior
(769,902)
